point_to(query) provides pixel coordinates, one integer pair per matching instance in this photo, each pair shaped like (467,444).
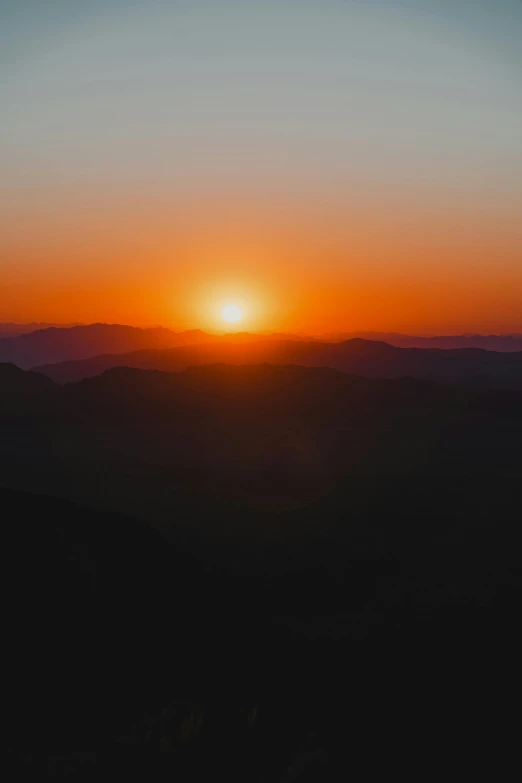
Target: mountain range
(471,366)
(80,342)
(260,436)
(30,345)
(13,330)
(486,342)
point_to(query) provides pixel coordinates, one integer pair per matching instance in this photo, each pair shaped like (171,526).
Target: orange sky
(330,166)
(420,267)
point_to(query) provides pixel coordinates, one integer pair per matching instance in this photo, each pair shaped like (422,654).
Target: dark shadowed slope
(372,359)
(125,645)
(80,342)
(342,552)
(259,437)
(72,576)
(16,384)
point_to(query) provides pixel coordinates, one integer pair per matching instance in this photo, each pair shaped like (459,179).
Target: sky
(327,166)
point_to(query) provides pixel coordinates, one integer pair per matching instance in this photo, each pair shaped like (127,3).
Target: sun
(231,313)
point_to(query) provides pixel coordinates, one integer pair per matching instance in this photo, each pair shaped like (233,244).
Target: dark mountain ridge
(488,342)
(374,359)
(53,344)
(56,344)
(255,435)
(14,329)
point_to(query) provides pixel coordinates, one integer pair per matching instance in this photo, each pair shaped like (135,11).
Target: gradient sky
(330,165)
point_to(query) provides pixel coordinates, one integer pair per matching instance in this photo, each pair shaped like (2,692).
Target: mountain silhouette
(15,382)
(32,346)
(296,538)
(487,342)
(79,342)
(13,330)
(373,359)
(259,435)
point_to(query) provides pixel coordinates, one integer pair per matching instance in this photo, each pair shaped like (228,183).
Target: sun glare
(231,313)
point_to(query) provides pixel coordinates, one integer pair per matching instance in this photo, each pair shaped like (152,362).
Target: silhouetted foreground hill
(70,571)
(473,367)
(338,571)
(392,615)
(57,344)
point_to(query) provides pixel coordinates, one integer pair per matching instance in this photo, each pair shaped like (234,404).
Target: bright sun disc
(231,313)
